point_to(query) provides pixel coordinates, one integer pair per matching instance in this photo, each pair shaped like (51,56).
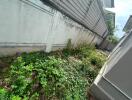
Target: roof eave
(125,27)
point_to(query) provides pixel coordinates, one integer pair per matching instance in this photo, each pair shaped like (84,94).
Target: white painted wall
(22,23)
(31,25)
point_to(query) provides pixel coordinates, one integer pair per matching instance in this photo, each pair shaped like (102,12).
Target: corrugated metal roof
(88,13)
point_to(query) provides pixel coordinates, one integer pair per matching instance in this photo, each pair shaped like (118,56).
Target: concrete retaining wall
(29,25)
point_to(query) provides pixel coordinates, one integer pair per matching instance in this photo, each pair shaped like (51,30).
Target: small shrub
(60,75)
(97,59)
(3,94)
(6,95)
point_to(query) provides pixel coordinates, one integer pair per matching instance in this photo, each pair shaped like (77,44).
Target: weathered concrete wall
(32,25)
(108,46)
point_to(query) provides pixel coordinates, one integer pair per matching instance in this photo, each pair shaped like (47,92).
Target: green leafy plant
(112,38)
(60,75)
(3,94)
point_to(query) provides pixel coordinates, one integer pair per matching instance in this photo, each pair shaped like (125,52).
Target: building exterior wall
(114,81)
(110,17)
(128,27)
(107,45)
(29,25)
(108,3)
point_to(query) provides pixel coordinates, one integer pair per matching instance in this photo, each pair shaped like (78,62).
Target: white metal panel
(101,27)
(84,12)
